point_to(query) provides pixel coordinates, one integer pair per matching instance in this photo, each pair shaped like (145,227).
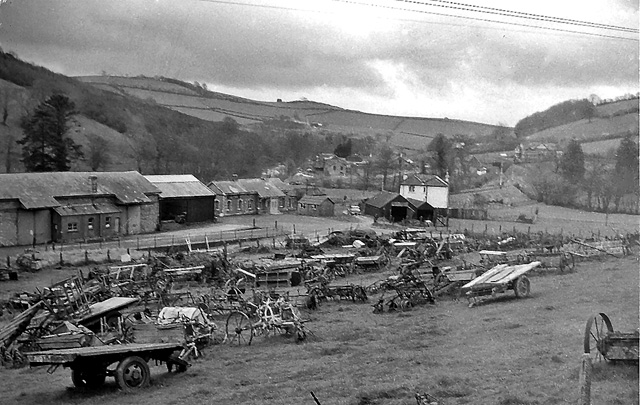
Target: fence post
(108,256)
(276,225)
(585,380)
(274,242)
(8,262)
(61,260)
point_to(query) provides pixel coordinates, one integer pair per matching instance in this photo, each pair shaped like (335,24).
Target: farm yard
(504,350)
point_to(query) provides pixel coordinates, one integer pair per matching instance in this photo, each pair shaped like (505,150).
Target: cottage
(269,196)
(233,199)
(184,197)
(429,188)
(316,205)
(70,206)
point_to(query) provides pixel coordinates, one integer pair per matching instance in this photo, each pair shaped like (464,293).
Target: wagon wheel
(522,287)
(132,373)
(239,329)
(86,378)
(598,326)
(269,319)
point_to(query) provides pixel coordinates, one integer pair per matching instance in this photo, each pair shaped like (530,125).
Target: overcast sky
(379,56)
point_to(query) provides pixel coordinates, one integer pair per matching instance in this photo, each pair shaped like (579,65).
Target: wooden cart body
(499,279)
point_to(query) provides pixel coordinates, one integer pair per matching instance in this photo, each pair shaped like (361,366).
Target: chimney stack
(94,184)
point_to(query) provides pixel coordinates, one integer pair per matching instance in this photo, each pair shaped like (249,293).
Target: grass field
(505,351)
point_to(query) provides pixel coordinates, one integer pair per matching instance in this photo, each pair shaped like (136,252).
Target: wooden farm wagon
(499,279)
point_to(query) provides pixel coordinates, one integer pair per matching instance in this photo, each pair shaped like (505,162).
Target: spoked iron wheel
(239,329)
(598,326)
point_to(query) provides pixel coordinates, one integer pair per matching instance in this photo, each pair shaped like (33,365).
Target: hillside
(613,121)
(410,133)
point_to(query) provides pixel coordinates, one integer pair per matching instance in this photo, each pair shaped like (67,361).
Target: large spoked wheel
(594,336)
(133,373)
(239,329)
(522,287)
(84,378)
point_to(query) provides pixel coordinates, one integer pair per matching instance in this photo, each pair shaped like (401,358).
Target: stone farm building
(316,205)
(270,198)
(233,199)
(183,194)
(74,206)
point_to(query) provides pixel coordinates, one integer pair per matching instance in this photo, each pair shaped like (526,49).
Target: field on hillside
(505,351)
(585,130)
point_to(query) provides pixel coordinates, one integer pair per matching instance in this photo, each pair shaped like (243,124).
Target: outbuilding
(183,196)
(388,205)
(316,205)
(72,206)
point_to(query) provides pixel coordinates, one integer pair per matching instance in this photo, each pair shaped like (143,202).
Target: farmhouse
(70,206)
(233,199)
(329,164)
(429,188)
(316,205)
(392,206)
(269,196)
(184,196)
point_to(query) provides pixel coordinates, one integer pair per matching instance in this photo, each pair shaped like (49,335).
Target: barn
(388,205)
(184,196)
(72,206)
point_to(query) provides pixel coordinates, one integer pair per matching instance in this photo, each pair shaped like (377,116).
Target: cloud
(346,53)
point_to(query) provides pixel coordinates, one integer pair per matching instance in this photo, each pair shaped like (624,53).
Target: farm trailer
(499,279)
(90,365)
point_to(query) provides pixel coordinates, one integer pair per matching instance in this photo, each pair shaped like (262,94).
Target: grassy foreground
(506,351)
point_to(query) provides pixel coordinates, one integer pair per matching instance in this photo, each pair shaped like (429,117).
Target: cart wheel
(132,373)
(522,287)
(597,328)
(239,330)
(83,378)
(360,294)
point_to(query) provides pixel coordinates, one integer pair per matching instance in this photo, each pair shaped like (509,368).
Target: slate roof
(424,180)
(279,184)
(226,187)
(264,189)
(382,199)
(180,186)
(40,190)
(315,199)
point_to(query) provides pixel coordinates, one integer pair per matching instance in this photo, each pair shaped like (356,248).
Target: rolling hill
(412,133)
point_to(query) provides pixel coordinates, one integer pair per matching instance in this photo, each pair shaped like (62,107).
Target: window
(281,202)
(107,222)
(72,227)
(334,167)
(314,207)
(303,205)
(290,203)
(216,205)
(239,205)
(90,223)
(250,205)
(412,189)
(228,205)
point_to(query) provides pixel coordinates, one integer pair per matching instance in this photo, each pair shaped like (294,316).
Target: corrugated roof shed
(180,186)
(227,187)
(382,199)
(417,204)
(264,189)
(314,199)
(39,190)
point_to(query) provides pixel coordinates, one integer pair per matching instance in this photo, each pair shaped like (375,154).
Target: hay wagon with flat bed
(499,279)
